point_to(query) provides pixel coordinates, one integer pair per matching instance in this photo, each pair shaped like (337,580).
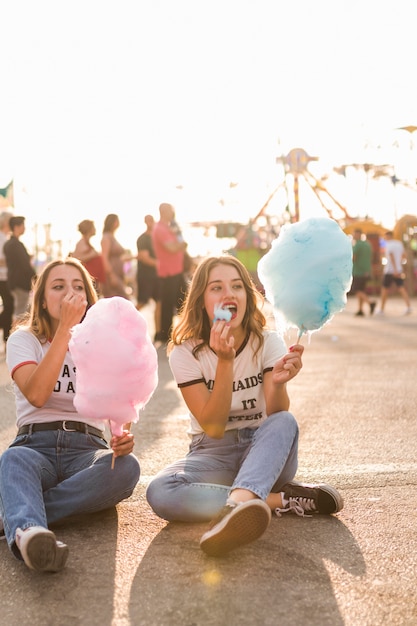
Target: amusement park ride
(295,165)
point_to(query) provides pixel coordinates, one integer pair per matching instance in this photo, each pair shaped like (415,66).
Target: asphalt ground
(356,404)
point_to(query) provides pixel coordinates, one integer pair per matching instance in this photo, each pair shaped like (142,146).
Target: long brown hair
(38,320)
(194,322)
(111,222)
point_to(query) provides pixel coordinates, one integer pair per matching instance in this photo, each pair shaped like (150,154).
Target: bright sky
(109,106)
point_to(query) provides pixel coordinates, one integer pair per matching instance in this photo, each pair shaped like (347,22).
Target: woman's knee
(158,496)
(284,420)
(162,490)
(128,470)
(21,456)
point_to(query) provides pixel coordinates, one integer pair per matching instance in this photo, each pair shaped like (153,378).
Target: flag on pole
(6,196)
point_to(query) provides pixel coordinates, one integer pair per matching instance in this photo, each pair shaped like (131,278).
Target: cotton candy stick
(307,273)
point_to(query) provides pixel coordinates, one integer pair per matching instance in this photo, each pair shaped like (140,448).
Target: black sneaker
(307,499)
(235,526)
(360,314)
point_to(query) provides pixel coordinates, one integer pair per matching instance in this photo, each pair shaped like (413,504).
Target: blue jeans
(49,475)
(261,460)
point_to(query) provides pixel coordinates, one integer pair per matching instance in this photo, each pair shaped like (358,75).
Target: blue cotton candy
(222,314)
(307,272)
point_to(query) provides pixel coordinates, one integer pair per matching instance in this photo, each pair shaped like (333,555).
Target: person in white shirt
(233,372)
(393,271)
(59,463)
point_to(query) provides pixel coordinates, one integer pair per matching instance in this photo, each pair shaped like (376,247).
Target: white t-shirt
(248,408)
(395,248)
(23,347)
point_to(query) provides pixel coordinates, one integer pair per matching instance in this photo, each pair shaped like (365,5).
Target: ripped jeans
(262,460)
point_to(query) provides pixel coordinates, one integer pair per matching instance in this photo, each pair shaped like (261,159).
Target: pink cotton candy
(116,363)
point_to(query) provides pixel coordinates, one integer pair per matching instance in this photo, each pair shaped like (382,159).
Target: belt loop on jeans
(30,429)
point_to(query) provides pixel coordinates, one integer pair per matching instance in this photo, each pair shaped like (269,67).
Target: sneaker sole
(247,522)
(43,554)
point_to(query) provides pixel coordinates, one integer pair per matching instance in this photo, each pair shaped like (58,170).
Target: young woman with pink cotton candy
(59,463)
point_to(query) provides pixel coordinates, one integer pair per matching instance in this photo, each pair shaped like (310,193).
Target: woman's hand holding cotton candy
(288,366)
(221,341)
(221,314)
(123,444)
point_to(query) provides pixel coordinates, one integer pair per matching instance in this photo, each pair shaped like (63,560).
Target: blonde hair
(194,322)
(38,320)
(111,222)
(5,219)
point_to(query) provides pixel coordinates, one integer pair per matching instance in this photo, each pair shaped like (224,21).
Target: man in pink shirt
(169,247)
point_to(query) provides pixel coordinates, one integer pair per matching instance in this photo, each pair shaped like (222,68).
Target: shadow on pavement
(82,593)
(176,583)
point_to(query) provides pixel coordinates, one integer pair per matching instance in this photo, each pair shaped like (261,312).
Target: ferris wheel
(295,165)
(296,168)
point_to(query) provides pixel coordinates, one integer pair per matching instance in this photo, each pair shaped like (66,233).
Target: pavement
(356,404)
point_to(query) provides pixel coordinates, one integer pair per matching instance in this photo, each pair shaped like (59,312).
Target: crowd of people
(231,369)
(162,266)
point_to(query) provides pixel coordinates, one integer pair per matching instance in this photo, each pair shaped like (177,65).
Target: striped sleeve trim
(192,382)
(20,365)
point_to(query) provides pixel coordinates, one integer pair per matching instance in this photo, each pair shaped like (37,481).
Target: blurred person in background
(114,256)
(169,246)
(147,281)
(20,271)
(85,252)
(361,271)
(6,315)
(394,274)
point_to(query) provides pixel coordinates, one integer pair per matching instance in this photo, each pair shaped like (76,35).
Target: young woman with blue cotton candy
(233,373)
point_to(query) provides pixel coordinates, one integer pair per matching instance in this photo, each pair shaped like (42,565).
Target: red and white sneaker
(40,549)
